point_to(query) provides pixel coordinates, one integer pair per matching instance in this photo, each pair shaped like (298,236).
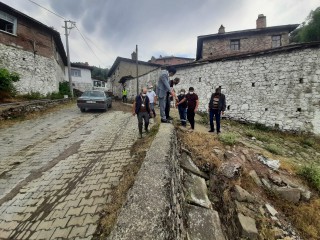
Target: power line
(84,39)
(47,10)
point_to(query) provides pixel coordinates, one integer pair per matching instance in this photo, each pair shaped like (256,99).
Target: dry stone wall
(279,90)
(37,73)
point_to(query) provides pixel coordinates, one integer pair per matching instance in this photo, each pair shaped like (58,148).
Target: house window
(8,23)
(276,41)
(235,44)
(97,83)
(75,72)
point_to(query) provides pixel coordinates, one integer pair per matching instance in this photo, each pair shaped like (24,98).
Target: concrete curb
(145,215)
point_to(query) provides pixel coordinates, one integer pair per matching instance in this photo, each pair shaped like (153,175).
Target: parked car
(94,99)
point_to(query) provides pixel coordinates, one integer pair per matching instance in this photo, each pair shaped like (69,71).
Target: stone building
(33,50)
(170,60)
(233,43)
(124,69)
(80,76)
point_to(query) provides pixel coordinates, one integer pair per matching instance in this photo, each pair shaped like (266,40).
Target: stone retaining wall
(23,109)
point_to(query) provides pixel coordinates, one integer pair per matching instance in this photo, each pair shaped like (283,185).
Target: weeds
(274,149)
(259,136)
(228,138)
(312,174)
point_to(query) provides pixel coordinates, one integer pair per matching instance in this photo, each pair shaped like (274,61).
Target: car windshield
(93,94)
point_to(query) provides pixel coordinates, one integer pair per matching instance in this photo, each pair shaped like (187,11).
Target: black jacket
(139,102)
(222,102)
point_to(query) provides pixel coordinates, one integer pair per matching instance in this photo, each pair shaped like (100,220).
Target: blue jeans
(183,115)
(217,114)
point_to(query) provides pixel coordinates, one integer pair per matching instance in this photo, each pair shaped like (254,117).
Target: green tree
(309,30)
(7,79)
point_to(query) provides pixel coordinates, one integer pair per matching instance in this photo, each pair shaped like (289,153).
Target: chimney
(261,21)
(221,29)
(133,56)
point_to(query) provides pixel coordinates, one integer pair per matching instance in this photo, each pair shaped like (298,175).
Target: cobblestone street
(56,172)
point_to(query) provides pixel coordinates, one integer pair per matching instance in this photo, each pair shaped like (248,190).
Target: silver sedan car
(94,99)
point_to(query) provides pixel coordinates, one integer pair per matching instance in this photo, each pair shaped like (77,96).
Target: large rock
(247,226)
(196,191)
(255,177)
(242,195)
(230,169)
(290,194)
(204,224)
(188,165)
(271,210)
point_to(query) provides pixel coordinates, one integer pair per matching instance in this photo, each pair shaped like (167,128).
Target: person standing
(124,95)
(163,87)
(170,98)
(216,107)
(193,103)
(153,99)
(182,108)
(141,107)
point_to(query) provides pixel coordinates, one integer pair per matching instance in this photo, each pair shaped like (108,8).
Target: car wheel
(82,109)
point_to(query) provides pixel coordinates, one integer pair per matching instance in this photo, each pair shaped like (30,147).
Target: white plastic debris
(274,164)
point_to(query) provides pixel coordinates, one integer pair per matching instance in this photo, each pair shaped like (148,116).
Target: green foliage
(100,73)
(204,118)
(32,96)
(64,88)
(6,81)
(228,138)
(274,149)
(258,135)
(312,174)
(308,141)
(310,29)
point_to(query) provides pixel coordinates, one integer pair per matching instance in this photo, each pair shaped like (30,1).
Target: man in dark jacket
(141,107)
(217,105)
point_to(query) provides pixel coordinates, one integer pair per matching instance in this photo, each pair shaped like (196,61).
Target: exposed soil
(294,221)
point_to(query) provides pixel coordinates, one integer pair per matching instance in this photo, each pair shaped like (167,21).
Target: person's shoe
(147,130)
(140,136)
(169,118)
(219,132)
(165,121)
(211,130)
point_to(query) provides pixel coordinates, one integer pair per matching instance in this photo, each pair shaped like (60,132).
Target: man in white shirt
(153,99)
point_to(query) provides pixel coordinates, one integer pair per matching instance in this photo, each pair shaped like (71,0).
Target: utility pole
(67,32)
(137,70)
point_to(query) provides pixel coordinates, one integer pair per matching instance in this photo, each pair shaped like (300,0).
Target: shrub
(55,95)
(228,138)
(312,174)
(6,81)
(274,149)
(64,88)
(32,96)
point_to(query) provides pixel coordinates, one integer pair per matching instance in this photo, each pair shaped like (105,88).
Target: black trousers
(167,109)
(190,116)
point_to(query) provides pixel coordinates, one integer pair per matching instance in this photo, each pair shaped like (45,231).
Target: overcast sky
(159,27)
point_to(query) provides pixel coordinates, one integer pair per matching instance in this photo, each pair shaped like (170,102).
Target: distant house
(225,44)
(124,69)
(33,50)
(80,76)
(99,84)
(170,60)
